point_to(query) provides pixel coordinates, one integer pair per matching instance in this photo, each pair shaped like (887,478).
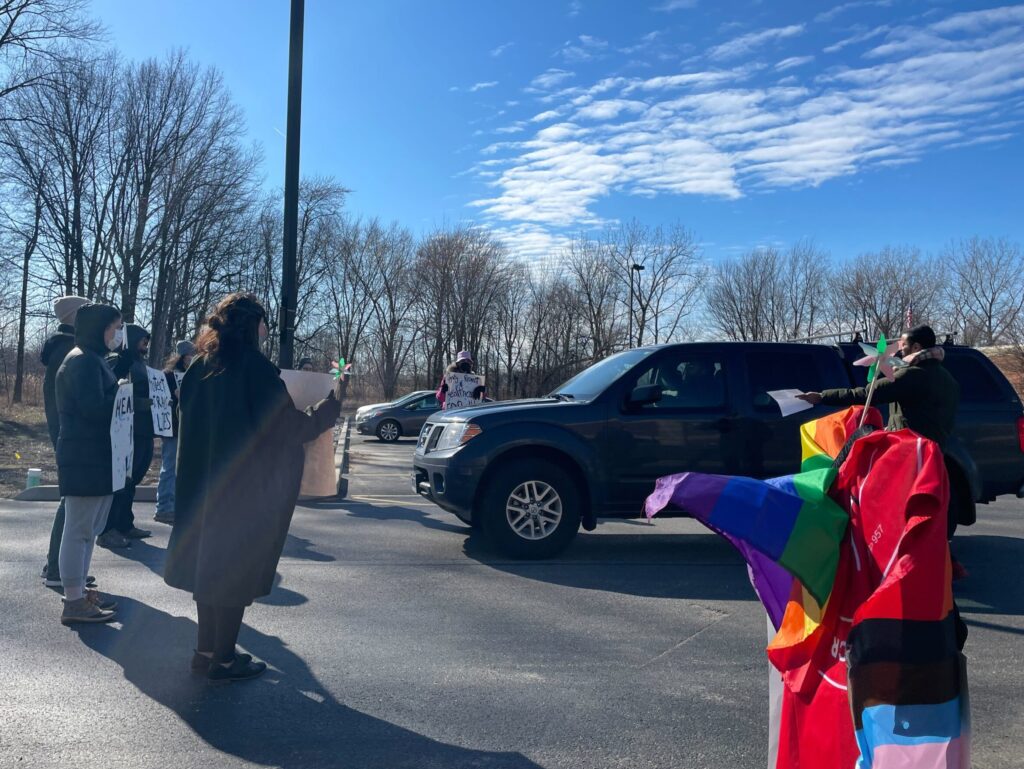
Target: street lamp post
(637,269)
(289,285)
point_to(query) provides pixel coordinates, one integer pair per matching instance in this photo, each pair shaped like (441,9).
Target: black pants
(218,630)
(121,516)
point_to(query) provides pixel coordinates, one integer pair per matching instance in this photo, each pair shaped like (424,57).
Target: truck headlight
(456,434)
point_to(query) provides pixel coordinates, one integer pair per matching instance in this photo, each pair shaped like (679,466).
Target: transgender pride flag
(853,567)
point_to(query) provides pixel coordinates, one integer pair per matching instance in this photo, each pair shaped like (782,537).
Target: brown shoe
(83,611)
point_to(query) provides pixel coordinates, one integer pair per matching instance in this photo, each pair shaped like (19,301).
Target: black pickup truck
(530,472)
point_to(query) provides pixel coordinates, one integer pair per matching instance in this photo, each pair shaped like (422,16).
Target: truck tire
(530,509)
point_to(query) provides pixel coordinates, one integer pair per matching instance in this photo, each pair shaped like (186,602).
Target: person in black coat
(55,349)
(240,460)
(86,391)
(130,363)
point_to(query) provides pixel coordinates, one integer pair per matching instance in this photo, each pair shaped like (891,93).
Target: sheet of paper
(788,402)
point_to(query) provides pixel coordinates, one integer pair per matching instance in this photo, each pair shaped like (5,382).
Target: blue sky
(858,124)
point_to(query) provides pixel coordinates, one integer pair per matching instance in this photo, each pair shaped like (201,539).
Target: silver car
(390,421)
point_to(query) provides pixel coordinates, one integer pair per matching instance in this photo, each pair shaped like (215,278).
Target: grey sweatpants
(84,519)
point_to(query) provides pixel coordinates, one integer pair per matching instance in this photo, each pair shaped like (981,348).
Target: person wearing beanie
(55,349)
(463,365)
(306,364)
(174,370)
(86,389)
(130,363)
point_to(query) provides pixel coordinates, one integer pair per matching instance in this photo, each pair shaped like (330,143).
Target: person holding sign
(461,385)
(130,363)
(174,372)
(86,392)
(240,462)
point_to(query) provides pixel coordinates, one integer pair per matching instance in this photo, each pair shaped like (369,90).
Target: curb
(52,494)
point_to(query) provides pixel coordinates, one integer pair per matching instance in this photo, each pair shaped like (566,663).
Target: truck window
(780,371)
(688,381)
(977,384)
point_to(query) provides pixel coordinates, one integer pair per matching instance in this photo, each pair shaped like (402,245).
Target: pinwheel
(879,359)
(339,368)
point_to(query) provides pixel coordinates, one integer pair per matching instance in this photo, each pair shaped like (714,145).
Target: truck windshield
(593,381)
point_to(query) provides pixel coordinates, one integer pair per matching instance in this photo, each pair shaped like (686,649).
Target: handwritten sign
(160,395)
(460,390)
(122,437)
(308,388)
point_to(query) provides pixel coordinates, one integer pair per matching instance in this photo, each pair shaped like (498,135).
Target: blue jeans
(168,473)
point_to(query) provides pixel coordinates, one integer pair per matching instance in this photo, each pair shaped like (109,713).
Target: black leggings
(218,630)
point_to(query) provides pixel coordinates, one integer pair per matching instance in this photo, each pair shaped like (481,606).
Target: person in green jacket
(923,395)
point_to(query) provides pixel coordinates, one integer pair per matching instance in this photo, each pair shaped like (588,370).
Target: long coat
(240,460)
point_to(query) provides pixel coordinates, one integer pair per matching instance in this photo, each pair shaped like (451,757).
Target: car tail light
(1020,432)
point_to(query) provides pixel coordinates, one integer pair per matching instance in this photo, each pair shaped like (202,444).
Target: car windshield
(408,398)
(593,381)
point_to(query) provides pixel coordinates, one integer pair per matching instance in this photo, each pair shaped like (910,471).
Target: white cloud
(481,86)
(744,44)
(675,5)
(542,117)
(957,81)
(860,37)
(501,49)
(575,6)
(793,61)
(584,48)
(550,79)
(840,9)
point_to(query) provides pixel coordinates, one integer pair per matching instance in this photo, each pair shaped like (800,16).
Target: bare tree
(984,290)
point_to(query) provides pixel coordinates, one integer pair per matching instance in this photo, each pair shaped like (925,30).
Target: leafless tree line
(132,183)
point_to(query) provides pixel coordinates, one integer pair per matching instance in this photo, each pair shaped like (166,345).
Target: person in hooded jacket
(85,390)
(130,363)
(174,371)
(55,349)
(463,365)
(240,460)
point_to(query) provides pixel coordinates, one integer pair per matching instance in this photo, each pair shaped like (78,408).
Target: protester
(923,395)
(85,392)
(55,349)
(174,370)
(463,365)
(240,460)
(130,362)
(306,364)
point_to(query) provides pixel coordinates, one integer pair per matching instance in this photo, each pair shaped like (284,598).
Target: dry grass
(25,443)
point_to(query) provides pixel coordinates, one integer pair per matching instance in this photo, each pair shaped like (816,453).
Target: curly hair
(232,327)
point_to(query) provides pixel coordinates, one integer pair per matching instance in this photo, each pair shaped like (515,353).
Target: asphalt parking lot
(396,639)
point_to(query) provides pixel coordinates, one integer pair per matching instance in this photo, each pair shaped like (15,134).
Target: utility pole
(289,286)
(639,297)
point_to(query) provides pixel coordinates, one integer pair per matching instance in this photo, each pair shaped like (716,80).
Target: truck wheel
(530,509)
(389,431)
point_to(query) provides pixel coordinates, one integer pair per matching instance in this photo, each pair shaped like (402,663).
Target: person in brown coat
(240,461)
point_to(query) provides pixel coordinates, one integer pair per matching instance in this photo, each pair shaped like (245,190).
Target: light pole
(289,286)
(635,268)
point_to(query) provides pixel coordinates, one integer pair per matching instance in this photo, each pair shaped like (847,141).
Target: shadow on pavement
(995,581)
(650,565)
(284,719)
(416,515)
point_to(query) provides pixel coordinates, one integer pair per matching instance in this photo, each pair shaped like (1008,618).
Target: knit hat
(464,355)
(185,347)
(66,307)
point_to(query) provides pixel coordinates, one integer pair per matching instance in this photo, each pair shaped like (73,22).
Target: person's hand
(813,398)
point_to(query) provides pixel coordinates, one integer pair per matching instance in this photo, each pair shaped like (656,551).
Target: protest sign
(308,388)
(160,397)
(460,390)
(121,437)
(178,376)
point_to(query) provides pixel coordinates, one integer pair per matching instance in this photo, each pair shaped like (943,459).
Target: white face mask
(117,342)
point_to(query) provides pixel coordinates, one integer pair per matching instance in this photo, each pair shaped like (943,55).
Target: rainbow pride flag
(850,560)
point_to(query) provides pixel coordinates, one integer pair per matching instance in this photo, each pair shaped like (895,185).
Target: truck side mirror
(644,396)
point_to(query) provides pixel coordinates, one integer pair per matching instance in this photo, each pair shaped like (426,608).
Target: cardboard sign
(160,395)
(178,376)
(122,437)
(308,388)
(460,390)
